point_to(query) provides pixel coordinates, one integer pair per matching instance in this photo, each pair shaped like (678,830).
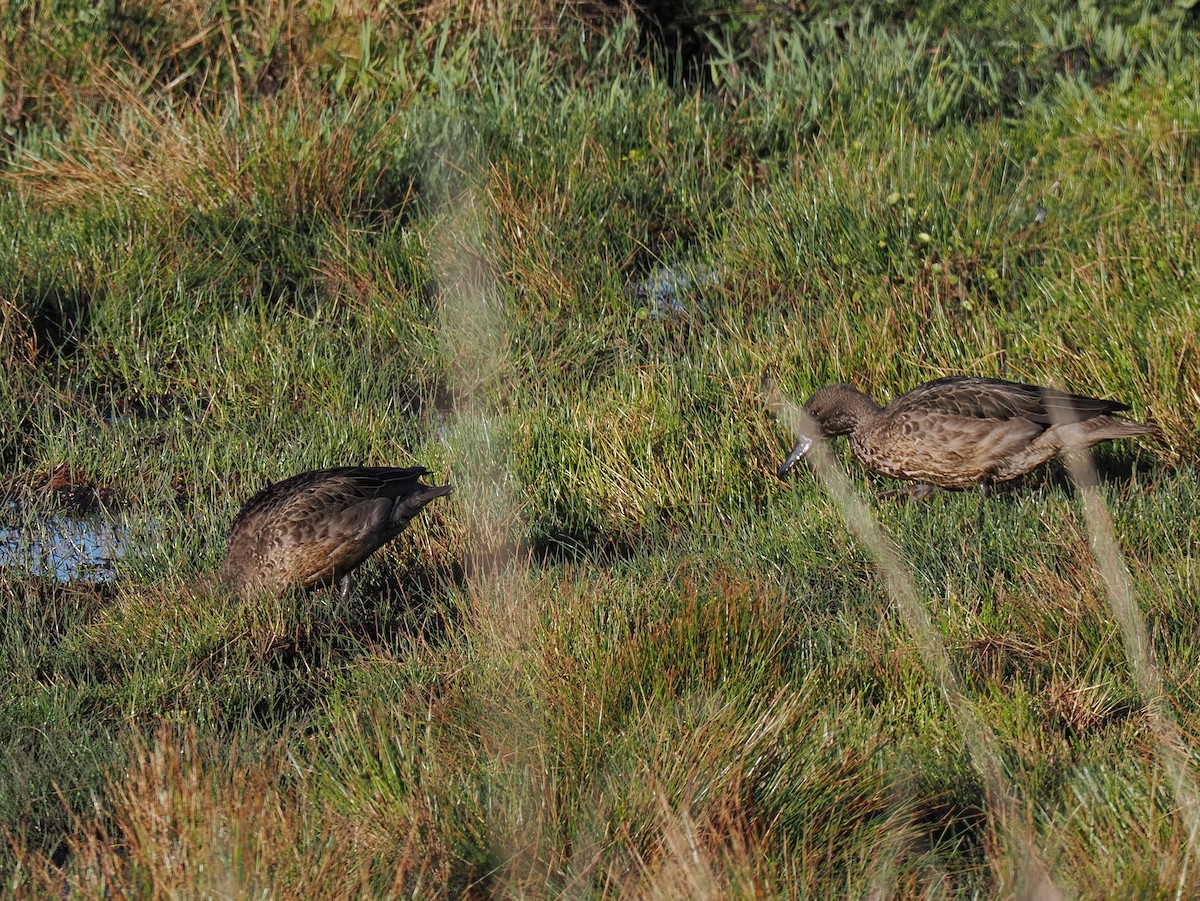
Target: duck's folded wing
(977,398)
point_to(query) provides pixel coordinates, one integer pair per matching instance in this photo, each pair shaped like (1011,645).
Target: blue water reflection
(68,547)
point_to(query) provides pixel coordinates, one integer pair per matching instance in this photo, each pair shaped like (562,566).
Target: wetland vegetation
(576,258)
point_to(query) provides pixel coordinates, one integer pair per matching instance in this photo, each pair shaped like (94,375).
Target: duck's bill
(802,447)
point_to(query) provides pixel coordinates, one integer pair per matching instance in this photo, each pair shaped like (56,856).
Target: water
(70,547)
(671,290)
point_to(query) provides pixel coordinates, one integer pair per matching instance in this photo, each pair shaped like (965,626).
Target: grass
(582,275)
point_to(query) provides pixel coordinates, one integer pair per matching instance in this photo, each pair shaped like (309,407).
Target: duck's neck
(849,409)
(861,408)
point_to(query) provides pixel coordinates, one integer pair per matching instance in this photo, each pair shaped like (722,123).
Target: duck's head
(833,410)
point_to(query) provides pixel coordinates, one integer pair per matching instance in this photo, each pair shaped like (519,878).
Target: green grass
(622,659)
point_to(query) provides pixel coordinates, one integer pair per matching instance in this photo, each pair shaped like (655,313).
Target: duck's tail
(1090,432)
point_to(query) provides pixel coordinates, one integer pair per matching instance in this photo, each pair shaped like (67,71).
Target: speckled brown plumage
(317,527)
(963,432)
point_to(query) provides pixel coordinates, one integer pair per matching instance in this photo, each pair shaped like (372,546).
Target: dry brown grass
(183,162)
(191,819)
(19,347)
(510,19)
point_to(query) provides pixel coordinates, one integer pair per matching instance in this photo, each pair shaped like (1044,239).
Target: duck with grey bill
(315,528)
(962,432)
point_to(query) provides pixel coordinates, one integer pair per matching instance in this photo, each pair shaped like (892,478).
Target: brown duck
(315,528)
(962,432)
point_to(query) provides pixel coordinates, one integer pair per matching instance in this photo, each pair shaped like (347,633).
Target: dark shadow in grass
(950,813)
(40,615)
(128,406)
(474,875)
(403,602)
(16,448)
(287,689)
(432,404)
(57,739)
(582,545)
(674,32)
(272,250)
(59,319)
(392,201)
(285,684)
(50,775)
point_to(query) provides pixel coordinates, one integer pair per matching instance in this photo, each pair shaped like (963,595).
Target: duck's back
(968,397)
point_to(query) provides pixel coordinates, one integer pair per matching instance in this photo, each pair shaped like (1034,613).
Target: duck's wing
(943,448)
(978,398)
(314,496)
(311,492)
